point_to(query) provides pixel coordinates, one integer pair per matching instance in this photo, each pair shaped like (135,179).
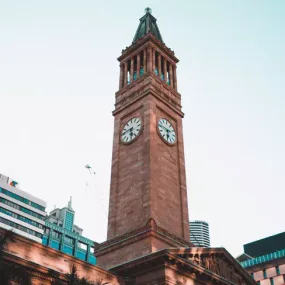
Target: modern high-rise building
(199,233)
(20,211)
(264,259)
(62,234)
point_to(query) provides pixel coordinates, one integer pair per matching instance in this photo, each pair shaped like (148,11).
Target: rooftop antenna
(70,203)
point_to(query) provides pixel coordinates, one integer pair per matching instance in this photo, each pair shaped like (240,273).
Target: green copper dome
(147,25)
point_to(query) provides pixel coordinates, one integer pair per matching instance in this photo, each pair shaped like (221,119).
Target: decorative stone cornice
(146,85)
(151,39)
(212,266)
(149,229)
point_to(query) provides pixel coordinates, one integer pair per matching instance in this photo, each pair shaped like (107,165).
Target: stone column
(132,70)
(170,75)
(138,65)
(153,60)
(144,61)
(126,74)
(174,78)
(149,58)
(159,65)
(165,69)
(121,76)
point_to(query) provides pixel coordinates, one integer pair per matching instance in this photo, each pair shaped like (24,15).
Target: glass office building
(61,234)
(199,233)
(264,260)
(20,211)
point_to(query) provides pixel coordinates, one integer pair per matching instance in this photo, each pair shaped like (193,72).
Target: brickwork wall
(148,176)
(52,259)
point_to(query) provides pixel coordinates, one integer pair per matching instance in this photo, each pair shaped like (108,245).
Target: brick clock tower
(148,196)
(148,228)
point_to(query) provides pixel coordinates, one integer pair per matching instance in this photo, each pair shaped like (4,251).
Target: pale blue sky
(58,76)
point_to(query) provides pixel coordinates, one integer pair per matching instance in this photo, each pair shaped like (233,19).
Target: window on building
(56,235)
(271,281)
(21,218)
(68,240)
(264,274)
(277,270)
(47,231)
(252,275)
(20,227)
(22,199)
(82,246)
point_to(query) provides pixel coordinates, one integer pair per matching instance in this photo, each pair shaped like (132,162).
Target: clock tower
(148,198)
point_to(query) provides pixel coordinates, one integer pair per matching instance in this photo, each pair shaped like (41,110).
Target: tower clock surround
(131,130)
(166,131)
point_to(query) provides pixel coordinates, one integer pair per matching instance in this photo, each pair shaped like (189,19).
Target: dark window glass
(21,218)
(19,227)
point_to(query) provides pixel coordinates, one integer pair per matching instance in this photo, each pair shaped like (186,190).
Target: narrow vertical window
(271,281)
(277,270)
(264,274)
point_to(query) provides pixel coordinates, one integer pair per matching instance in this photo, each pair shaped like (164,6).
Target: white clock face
(131,130)
(167,131)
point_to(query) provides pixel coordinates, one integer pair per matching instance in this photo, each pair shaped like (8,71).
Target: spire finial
(70,203)
(148,10)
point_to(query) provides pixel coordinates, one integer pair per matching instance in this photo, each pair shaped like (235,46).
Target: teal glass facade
(69,242)
(263,258)
(69,221)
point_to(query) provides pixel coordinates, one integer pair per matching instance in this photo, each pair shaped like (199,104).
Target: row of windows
(22,199)
(23,209)
(277,272)
(67,240)
(70,250)
(21,218)
(56,236)
(19,227)
(271,280)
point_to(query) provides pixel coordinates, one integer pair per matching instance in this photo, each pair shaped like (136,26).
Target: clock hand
(165,128)
(130,129)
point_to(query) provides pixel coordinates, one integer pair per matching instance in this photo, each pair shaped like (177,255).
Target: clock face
(167,131)
(131,130)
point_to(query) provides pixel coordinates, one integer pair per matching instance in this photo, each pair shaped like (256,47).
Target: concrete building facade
(21,211)
(199,233)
